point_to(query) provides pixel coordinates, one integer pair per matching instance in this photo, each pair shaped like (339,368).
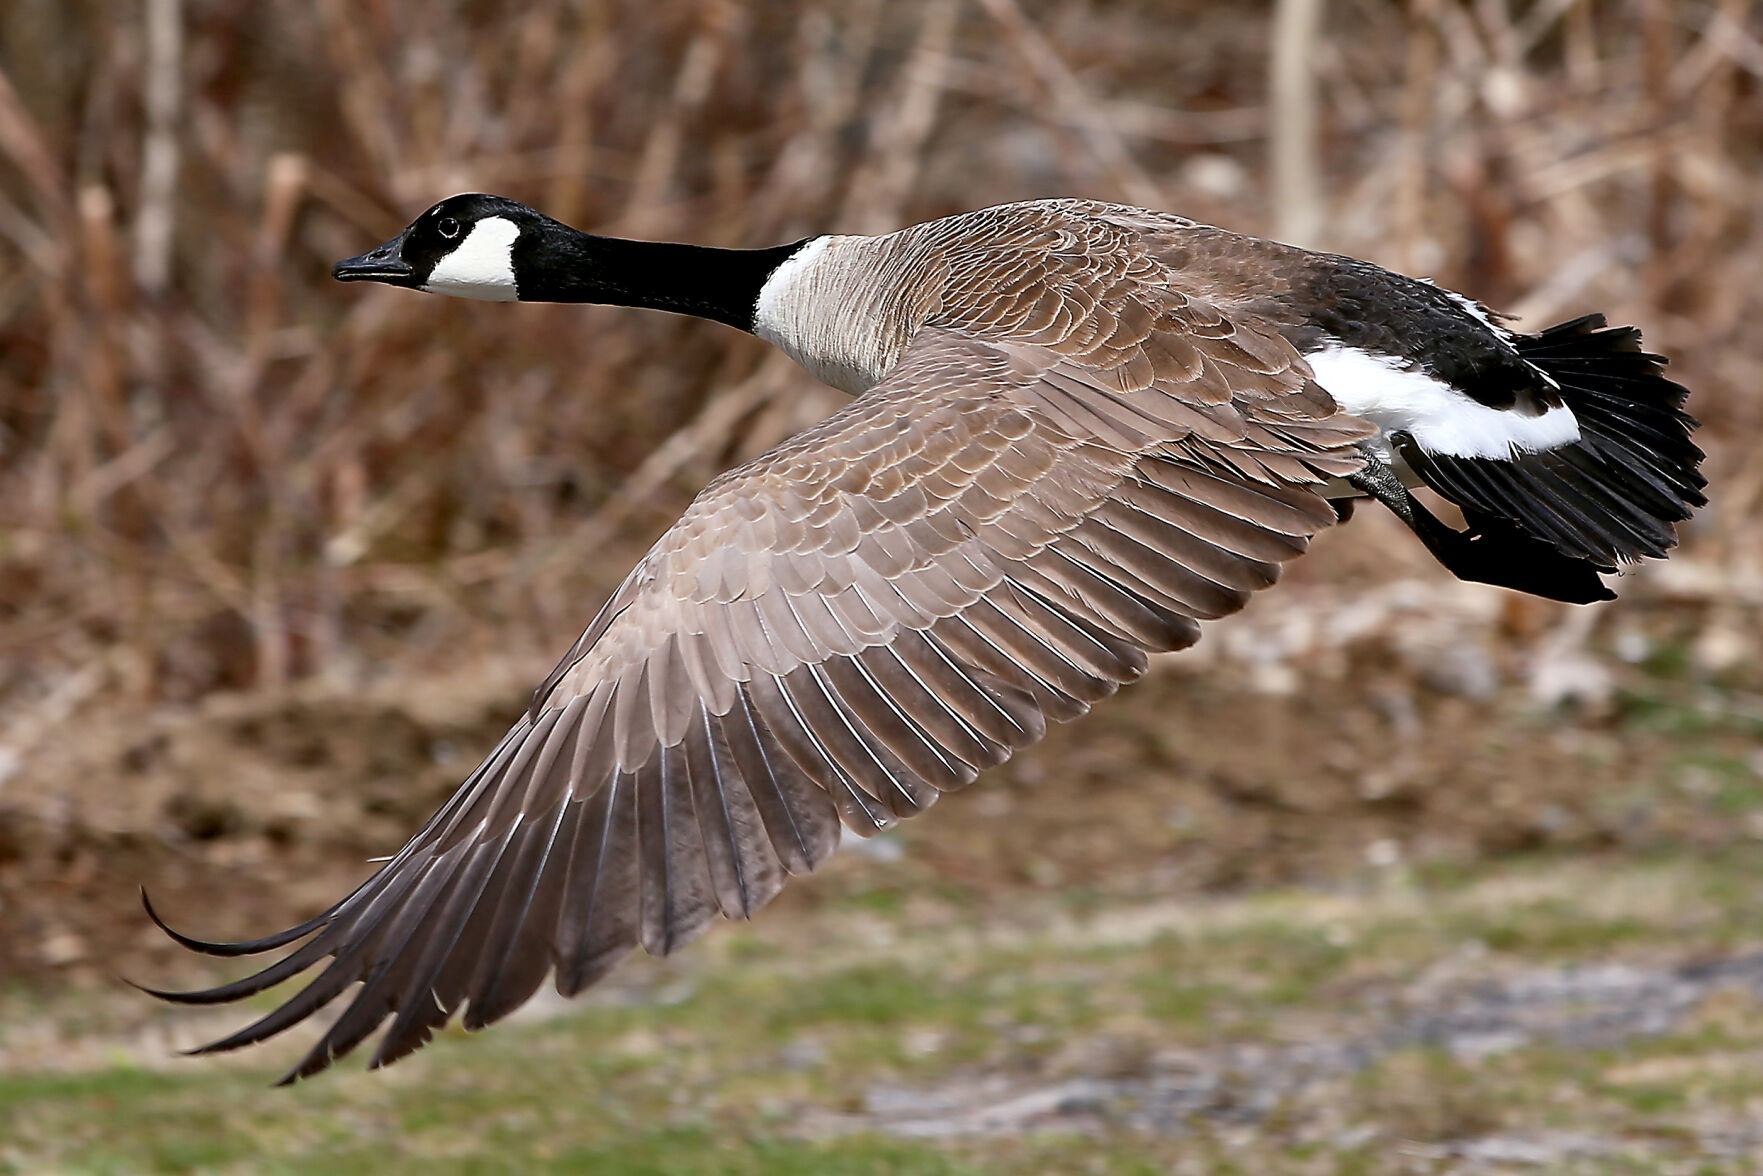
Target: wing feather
(866,617)
(800,816)
(679,896)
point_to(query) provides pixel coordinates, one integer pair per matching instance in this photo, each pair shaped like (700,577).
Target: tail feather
(1610,497)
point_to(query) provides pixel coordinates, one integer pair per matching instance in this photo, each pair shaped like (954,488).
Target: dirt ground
(1388,875)
(1340,726)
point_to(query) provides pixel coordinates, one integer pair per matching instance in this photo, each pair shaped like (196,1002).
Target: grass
(760,1059)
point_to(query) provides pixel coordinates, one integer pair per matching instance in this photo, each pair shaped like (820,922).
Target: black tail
(1608,498)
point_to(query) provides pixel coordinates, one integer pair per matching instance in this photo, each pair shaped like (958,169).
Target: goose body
(1079,430)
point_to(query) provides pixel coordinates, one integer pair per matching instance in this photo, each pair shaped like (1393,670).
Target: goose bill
(385,264)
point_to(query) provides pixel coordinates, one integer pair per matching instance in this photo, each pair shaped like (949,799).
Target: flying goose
(1080,429)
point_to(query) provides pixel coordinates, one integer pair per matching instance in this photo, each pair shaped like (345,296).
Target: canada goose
(1080,430)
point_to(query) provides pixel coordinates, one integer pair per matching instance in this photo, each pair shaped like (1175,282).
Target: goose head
(470,246)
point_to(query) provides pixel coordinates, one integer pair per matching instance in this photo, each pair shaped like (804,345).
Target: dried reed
(219,471)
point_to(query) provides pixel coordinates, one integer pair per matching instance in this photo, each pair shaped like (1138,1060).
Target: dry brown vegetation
(252,522)
(221,471)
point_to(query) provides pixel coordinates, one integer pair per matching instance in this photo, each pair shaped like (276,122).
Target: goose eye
(447,227)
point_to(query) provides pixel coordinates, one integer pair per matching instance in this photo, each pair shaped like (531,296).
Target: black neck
(559,264)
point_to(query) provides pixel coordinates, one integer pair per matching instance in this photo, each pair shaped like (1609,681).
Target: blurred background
(279,559)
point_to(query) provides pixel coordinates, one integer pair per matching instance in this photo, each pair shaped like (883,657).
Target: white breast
(1440,418)
(832,309)
(482,266)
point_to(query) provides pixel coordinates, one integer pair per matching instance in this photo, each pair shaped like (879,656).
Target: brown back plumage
(1070,463)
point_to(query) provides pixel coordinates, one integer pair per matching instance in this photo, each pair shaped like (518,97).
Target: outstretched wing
(861,619)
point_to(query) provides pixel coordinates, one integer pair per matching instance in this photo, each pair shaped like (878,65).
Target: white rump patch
(481,266)
(1440,418)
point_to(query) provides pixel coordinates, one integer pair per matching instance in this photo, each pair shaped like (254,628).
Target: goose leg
(1492,551)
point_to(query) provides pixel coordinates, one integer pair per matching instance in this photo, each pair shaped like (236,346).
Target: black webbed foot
(1492,551)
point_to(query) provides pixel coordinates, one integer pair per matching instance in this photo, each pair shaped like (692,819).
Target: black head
(464,246)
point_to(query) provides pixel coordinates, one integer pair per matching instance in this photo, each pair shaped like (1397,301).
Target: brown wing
(862,619)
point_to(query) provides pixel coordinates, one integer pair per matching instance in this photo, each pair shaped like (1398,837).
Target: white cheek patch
(481,266)
(1440,418)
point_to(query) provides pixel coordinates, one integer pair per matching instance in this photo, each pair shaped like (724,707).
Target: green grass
(762,1060)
